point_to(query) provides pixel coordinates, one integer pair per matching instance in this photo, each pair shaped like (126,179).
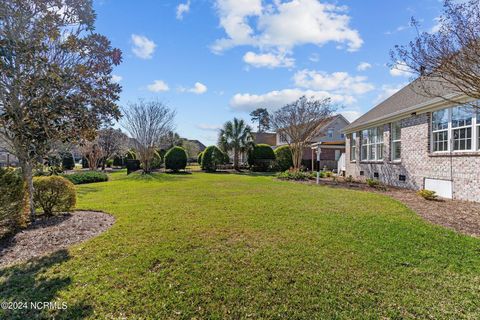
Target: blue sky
(213,60)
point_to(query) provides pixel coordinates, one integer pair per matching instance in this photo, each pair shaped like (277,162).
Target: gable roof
(412,95)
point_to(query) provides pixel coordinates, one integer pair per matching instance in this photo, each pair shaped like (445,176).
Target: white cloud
(400,70)
(183,8)
(337,82)
(198,88)
(364,66)
(142,46)
(436,27)
(277,99)
(116,78)
(284,25)
(387,91)
(268,60)
(209,127)
(158,86)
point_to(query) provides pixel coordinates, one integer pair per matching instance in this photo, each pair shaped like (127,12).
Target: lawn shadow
(26,283)
(158,176)
(84,190)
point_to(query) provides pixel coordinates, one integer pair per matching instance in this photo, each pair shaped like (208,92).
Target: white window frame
(353,147)
(395,140)
(475,126)
(373,141)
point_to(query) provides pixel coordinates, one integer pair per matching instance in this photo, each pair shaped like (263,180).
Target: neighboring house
(6,158)
(201,147)
(414,141)
(330,141)
(264,138)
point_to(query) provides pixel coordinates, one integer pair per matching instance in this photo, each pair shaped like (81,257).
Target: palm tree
(235,135)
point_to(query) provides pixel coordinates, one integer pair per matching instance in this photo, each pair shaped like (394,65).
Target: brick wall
(418,163)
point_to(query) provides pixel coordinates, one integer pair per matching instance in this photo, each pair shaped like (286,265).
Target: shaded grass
(219,246)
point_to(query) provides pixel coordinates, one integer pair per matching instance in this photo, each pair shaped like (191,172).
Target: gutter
(430,105)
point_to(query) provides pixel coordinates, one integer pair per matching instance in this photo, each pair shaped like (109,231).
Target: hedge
(176,159)
(261,157)
(12,193)
(283,157)
(199,158)
(86,177)
(212,157)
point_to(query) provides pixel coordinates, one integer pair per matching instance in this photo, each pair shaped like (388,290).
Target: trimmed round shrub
(54,194)
(12,193)
(68,163)
(86,177)
(199,158)
(131,155)
(118,161)
(261,157)
(212,157)
(283,157)
(176,159)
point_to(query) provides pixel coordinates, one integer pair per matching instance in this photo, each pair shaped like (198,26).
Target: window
(440,130)
(353,147)
(455,129)
(462,128)
(372,144)
(282,137)
(330,132)
(478,129)
(396,131)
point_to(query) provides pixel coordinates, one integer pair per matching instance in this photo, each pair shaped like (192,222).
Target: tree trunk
(235,160)
(27,172)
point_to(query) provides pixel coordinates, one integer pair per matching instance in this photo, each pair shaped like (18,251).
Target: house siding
(417,163)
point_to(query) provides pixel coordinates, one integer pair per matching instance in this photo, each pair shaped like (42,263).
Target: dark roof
(265,138)
(200,145)
(409,96)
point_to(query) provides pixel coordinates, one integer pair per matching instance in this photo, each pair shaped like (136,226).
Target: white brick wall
(418,163)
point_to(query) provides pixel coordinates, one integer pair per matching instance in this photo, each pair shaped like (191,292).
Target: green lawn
(226,246)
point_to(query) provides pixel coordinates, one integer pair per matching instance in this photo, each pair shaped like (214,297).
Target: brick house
(414,141)
(330,141)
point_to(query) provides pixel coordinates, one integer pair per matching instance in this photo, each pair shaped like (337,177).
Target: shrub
(132,165)
(199,158)
(54,194)
(86,177)
(283,156)
(117,161)
(68,163)
(109,163)
(212,157)
(349,179)
(427,194)
(131,155)
(294,175)
(11,200)
(176,159)
(226,158)
(373,183)
(157,160)
(261,157)
(328,174)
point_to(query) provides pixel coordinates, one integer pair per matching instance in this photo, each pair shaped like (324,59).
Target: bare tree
(192,148)
(299,122)
(93,153)
(447,56)
(112,142)
(147,122)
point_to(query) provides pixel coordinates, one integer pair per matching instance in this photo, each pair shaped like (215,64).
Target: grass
(227,246)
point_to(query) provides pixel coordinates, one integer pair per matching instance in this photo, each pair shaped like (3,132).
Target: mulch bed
(47,235)
(461,216)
